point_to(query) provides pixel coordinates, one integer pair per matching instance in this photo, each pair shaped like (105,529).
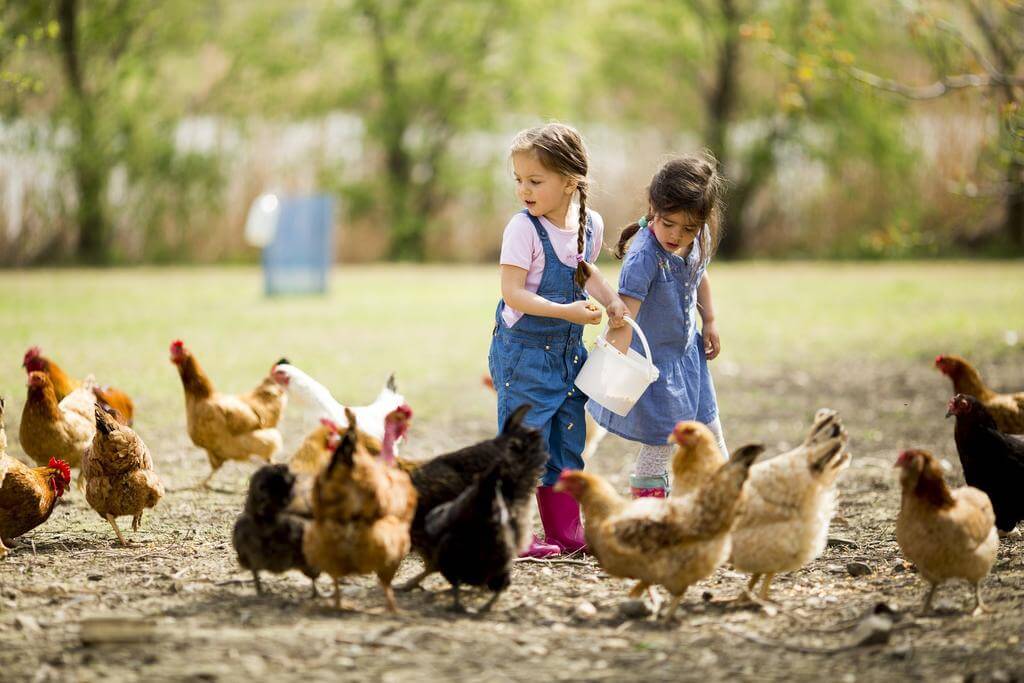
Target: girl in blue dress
(664,284)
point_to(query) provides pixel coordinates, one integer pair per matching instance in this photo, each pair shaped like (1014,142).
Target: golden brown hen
(107,396)
(56,430)
(1006,409)
(672,542)
(946,534)
(362,509)
(119,474)
(227,427)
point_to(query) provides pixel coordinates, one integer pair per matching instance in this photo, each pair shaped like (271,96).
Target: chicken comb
(32,353)
(939,358)
(177,344)
(405,410)
(330,424)
(63,467)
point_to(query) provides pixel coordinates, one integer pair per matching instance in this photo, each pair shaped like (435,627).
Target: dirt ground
(198,618)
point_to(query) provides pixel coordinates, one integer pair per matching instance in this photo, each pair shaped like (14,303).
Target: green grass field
(431,324)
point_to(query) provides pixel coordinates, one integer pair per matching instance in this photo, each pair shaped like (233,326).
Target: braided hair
(560,149)
(691,184)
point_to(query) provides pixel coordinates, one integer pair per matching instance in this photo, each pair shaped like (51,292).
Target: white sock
(652,461)
(716,428)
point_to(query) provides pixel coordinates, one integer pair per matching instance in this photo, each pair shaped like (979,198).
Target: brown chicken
(108,397)
(56,430)
(362,509)
(119,473)
(672,542)
(696,458)
(946,534)
(228,427)
(1006,409)
(27,496)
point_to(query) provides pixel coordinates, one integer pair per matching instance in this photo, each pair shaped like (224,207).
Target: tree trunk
(87,163)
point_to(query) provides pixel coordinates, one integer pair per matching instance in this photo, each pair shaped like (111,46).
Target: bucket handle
(643,340)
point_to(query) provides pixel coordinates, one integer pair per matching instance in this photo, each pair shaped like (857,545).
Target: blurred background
(139,132)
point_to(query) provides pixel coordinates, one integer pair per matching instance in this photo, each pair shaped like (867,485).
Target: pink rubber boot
(560,514)
(540,549)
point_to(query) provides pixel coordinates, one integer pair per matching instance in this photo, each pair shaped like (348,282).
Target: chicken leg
(389,595)
(256,580)
(456,603)
(979,606)
(928,598)
(136,522)
(673,605)
(113,523)
(313,582)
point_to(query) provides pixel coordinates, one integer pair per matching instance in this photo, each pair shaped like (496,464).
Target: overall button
(547,347)
(507,384)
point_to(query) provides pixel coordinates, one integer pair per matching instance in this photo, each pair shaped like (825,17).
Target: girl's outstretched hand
(712,344)
(583,313)
(616,310)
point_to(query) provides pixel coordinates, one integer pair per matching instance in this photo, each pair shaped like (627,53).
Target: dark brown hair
(689,183)
(560,149)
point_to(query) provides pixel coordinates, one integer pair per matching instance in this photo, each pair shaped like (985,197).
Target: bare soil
(196,615)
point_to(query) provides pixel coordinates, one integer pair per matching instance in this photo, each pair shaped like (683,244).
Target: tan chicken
(1006,409)
(57,430)
(672,542)
(362,509)
(27,494)
(946,534)
(227,427)
(790,501)
(119,474)
(109,397)
(696,457)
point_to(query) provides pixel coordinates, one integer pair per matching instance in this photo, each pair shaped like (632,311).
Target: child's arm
(599,288)
(620,338)
(516,295)
(712,345)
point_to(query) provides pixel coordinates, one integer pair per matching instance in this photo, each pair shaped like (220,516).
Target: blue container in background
(298,258)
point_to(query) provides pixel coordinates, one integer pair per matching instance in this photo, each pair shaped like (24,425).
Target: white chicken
(315,402)
(790,501)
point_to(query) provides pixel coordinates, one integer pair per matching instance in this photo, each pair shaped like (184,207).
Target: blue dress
(536,361)
(667,286)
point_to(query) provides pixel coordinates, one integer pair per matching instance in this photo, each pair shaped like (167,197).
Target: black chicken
(992,461)
(520,454)
(266,537)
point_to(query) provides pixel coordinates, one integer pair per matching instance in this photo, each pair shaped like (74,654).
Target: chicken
(474,538)
(672,542)
(442,479)
(1006,409)
(108,397)
(119,474)
(595,432)
(696,457)
(267,536)
(946,534)
(227,427)
(27,496)
(992,461)
(362,509)
(789,503)
(57,430)
(316,402)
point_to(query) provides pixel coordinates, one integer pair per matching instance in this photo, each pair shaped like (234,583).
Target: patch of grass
(432,324)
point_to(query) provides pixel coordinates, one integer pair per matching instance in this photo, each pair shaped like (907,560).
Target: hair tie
(642,222)
(579,258)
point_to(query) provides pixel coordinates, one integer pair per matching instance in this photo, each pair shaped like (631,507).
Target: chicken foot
(389,595)
(117,530)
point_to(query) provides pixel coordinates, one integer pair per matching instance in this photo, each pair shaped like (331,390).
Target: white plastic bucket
(616,380)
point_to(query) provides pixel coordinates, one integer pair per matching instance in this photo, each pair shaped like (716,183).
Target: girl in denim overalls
(663,284)
(537,348)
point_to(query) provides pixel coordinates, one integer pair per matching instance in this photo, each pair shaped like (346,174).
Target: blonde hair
(560,149)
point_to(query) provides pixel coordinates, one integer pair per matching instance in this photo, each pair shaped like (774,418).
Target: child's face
(543,192)
(675,231)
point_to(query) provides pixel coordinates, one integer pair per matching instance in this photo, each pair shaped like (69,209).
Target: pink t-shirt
(521,246)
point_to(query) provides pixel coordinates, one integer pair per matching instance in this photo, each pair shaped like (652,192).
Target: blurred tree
(110,104)
(702,64)
(977,45)
(420,73)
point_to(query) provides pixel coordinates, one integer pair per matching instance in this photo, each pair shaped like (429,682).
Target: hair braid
(582,268)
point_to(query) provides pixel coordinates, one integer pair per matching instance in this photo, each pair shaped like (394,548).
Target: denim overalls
(536,361)
(667,285)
